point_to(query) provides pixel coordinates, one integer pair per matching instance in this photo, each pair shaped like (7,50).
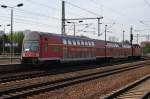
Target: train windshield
(31,45)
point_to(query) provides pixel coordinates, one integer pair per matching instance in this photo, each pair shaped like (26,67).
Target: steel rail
(24,91)
(8,78)
(123,92)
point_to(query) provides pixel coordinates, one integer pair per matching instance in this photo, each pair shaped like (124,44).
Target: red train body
(39,47)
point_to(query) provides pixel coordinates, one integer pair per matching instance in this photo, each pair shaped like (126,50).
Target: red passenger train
(40,47)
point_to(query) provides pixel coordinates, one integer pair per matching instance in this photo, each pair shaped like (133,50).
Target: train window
(64,41)
(115,45)
(127,46)
(74,42)
(82,42)
(86,43)
(89,44)
(31,46)
(124,46)
(78,42)
(69,42)
(93,44)
(111,45)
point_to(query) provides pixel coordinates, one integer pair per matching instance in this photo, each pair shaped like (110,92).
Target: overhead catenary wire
(147,2)
(122,14)
(36,14)
(46,16)
(87,26)
(142,22)
(114,11)
(28,21)
(29,16)
(83,9)
(70,28)
(44,5)
(25,20)
(91,12)
(48,6)
(27,24)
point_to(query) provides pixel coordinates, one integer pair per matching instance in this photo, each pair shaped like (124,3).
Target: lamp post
(3,36)
(105,43)
(11,42)
(123,37)
(74,26)
(99,25)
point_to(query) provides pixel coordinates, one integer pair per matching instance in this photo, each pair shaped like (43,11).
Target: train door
(44,47)
(55,47)
(65,53)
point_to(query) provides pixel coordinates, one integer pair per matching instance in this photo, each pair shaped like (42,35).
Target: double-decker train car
(40,47)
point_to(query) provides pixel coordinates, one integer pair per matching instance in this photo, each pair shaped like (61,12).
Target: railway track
(39,73)
(29,90)
(139,89)
(22,76)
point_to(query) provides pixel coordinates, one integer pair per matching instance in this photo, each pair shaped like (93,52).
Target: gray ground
(5,60)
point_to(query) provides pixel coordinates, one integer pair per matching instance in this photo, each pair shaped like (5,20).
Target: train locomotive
(41,47)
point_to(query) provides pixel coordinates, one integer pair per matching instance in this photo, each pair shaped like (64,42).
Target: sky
(45,16)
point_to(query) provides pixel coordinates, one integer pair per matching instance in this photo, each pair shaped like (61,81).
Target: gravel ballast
(37,80)
(97,88)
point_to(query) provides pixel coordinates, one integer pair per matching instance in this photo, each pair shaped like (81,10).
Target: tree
(17,38)
(84,37)
(113,39)
(146,49)
(126,42)
(3,39)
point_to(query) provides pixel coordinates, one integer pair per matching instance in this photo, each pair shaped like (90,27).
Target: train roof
(61,36)
(72,37)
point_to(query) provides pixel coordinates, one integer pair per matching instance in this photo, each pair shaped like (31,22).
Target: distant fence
(7,55)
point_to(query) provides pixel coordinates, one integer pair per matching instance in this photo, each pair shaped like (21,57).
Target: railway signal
(131,39)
